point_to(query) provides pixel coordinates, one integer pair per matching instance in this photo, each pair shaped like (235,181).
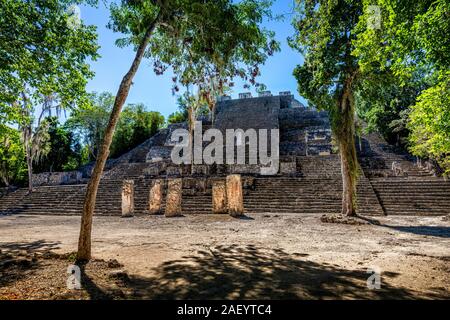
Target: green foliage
(182,114)
(42,54)
(64,152)
(177,117)
(90,121)
(324,33)
(206,43)
(384,104)
(12,157)
(135,126)
(413,40)
(429,123)
(411,37)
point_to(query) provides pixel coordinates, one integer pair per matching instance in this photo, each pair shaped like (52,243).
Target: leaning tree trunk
(347,150)
(84,242)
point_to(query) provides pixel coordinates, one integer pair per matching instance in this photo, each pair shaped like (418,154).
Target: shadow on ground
(245,272)
(434,231)
(17,259)
(220,272)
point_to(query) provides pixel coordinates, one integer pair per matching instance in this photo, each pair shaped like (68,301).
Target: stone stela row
(227,197)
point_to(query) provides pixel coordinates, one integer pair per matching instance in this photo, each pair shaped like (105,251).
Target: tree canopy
(324,34)
(43,63)
(413,45)
(206,44)
(136,124)
(42,53)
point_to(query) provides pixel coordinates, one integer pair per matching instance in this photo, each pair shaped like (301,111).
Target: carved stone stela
(219,197)
(127,198)
(235,197)
(173,199)
(155,197)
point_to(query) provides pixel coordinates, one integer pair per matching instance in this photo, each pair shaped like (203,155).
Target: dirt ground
(270,256)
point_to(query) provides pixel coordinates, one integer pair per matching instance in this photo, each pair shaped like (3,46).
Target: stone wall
(255,113)
(56,178)
(304,132)
(5,190)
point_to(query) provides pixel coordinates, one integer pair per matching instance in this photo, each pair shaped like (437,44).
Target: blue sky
(155,91)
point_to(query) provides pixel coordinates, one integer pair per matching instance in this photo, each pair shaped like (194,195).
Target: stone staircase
(377,157)
(300,195)
(415,192)
(316,187)
(403,196)
(62,200)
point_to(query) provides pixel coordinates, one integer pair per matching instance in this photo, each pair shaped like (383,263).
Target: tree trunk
(347,150)
(26,136)
(84,242)
(347,183)
(213,118)
(191,124)
(30,173)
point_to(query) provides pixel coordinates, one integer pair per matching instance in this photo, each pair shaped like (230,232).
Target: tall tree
(12,164)
(218,31)
(90,120)
(324,34)
(34,138)
(43,53)
(414,39)
(135,125)
(182,114)
(64,150)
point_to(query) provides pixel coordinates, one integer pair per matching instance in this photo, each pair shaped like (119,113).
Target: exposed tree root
(339,218)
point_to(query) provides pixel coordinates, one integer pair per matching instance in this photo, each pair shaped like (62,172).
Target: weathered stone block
(173,197)
(245,168)
(235,198)
(56,178)
(157,154)
(248,183)
(173,171)
(200,169)
(196,184)
(155,197)
(219,196)
(288,168)
(151,171)
(127,198)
